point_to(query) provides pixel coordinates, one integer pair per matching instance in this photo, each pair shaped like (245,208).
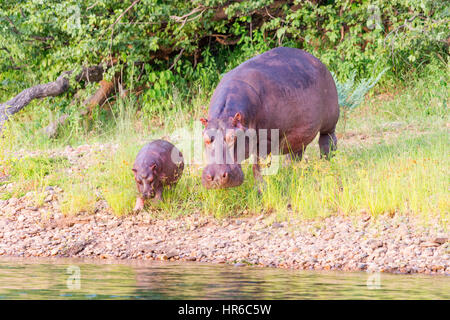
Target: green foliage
(394,159)
(351,95)
(32,173)
(184,44)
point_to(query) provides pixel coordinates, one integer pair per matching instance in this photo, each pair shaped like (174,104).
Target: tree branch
(51,89)
(123,13)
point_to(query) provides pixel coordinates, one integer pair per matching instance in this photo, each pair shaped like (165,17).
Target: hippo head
(146,179)
(220,137)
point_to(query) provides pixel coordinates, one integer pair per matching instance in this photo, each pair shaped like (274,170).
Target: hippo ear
(237,119)
(204,121)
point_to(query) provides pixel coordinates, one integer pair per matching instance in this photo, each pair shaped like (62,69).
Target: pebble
(239,264)
(440,240)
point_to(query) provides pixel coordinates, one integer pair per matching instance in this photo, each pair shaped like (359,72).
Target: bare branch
(176,59)
(51,89)
(123,13)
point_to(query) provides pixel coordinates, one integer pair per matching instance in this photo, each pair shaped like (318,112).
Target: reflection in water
(88,279)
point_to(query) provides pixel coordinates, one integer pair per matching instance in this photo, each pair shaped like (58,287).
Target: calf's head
(146,179)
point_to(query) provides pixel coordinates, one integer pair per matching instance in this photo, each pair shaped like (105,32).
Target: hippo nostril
(209,177)
(225,175)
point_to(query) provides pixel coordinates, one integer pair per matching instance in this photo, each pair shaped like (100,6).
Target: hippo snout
(148,194)
(222,176)
(216,176)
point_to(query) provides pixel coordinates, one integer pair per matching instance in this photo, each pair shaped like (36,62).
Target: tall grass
(408,176)
(404,171)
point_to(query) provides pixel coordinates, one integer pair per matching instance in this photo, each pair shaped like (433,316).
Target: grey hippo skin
(158,164)
(284,88)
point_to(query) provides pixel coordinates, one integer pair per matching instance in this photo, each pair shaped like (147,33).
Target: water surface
(93,279)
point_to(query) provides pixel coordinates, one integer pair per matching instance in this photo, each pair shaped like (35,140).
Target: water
(93,279)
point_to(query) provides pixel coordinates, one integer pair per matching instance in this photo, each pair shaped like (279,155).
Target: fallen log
(97,99)
(100,96)
(51,89)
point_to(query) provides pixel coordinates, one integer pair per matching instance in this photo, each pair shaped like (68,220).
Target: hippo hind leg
(327,143)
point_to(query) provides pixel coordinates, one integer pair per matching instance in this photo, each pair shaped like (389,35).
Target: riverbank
(397,244)
(380,204)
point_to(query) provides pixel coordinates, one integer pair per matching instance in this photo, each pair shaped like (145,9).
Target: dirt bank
(387,244)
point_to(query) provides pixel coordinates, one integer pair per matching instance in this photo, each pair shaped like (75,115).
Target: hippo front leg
(258,176)
(327,143)
(139,204)
(158,195)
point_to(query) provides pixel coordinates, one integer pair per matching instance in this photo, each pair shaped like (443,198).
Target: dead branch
(185,18)
(51,89)
(222,39)
(100,96)
(176,59)
(123,13)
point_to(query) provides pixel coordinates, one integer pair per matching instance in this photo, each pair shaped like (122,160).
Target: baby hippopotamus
(157,165)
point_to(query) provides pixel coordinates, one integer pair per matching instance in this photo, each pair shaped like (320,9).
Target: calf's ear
(204,121)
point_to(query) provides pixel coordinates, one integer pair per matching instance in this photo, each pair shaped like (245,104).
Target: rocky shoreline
(397,244)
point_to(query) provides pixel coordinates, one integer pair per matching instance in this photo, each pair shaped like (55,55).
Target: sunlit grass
(409,176)
(78,198)
(403,172)
(31,174)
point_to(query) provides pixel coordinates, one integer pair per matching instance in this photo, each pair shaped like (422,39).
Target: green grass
(400,166)
(409,176)
(31,174)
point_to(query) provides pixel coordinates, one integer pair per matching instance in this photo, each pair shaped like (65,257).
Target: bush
(162,45)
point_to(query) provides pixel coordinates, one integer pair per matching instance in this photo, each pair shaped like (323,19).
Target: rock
(440,240)
(329,236)
(277,225)
(172,254)
(76,248)
(372,267)
(428,244)
(162,257)
(362,266)
(239,264)
(245,237)
(373,244)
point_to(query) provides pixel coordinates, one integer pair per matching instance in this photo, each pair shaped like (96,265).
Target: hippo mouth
(222,176)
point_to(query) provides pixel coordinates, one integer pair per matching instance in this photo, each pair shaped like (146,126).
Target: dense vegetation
(164,47)
(164,59)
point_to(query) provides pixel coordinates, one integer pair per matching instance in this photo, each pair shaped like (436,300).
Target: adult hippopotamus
(286,89)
